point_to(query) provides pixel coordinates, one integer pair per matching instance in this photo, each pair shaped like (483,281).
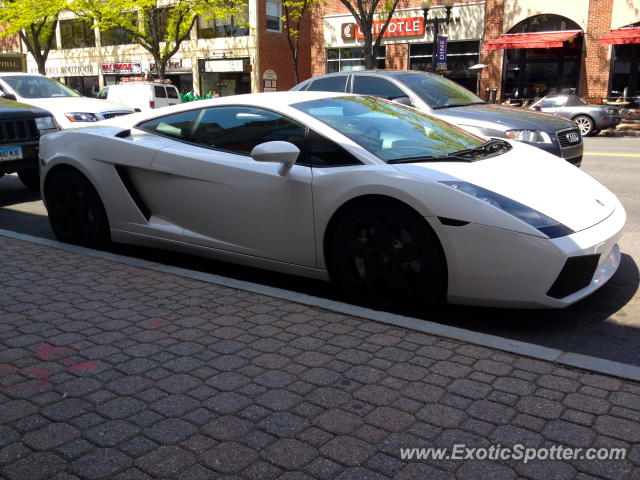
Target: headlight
(81,117)
(45,123)
(529,136)
(537,220)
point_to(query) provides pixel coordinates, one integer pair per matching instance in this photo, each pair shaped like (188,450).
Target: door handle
(165,168)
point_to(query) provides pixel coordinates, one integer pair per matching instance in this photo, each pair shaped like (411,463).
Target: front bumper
(493,267)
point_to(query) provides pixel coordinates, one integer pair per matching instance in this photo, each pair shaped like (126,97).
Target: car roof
(383,73)
(264,100)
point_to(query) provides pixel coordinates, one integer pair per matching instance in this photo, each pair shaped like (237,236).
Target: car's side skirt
(122,236)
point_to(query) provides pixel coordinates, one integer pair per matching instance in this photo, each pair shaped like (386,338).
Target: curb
(569,359)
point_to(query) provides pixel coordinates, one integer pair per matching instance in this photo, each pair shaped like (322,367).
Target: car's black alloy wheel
(75,210)
(30,178)
(386,256)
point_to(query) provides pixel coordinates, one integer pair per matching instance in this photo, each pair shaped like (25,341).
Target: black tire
(387,256)
(76,213)
(585,125)
(30,178)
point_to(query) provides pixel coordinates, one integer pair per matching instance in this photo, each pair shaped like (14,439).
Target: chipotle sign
(398,27)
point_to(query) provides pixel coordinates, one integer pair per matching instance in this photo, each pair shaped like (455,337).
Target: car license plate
(11,153)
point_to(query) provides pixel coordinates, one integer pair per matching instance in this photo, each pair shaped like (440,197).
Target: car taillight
(152,104)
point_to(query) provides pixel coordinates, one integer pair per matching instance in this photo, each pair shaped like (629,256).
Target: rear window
(329,84)
(172,92)
(160,91)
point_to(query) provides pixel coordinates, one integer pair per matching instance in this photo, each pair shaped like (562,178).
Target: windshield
(439,92)
(388,130)
(28,86)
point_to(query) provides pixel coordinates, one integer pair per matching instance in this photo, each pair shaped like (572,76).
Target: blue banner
(441,53)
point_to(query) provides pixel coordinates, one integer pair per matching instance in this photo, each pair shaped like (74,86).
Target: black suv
(455,104)
(20,128)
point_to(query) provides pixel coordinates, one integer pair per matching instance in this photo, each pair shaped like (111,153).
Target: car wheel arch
(368,199)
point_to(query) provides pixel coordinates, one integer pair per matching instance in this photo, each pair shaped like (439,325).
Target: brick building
(249,53)
(590,46)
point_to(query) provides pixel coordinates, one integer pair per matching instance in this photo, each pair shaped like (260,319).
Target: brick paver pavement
(109,371)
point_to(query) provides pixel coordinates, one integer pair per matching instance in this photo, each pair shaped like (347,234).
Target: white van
(141,95)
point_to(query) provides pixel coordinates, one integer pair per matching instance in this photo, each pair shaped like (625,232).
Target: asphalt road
(606,325)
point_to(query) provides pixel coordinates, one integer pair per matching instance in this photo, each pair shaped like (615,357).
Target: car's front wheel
(76,212)
(30,178)
(386,256)
(585,125)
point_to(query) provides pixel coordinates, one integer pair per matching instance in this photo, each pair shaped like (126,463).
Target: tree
(365,12)
(35,21)
(294,11)
(158,26)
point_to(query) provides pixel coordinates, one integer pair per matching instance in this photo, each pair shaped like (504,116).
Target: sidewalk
(111,371)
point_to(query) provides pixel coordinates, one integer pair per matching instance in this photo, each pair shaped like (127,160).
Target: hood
(535,178)
(11,109)
(78,104)
(499,117)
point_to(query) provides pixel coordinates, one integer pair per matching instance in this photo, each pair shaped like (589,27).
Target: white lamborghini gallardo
(390,203)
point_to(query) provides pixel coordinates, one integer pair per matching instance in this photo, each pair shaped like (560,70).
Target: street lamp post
(435,21)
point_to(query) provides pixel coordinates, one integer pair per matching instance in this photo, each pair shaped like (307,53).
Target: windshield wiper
(453,105)
(490,148)
(431,158)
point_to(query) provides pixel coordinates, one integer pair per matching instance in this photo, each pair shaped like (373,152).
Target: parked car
(21,126)
(141,95)
(590,119)
(451,102)
(394,205)
(69,108)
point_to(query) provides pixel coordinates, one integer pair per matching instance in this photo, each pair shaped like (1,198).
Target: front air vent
(574,276)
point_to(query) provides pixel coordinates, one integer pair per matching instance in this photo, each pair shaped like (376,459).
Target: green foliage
(158,26)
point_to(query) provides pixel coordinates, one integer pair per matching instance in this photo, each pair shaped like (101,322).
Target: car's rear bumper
(493,267)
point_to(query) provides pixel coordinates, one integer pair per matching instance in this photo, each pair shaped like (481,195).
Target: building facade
(517,48)
(242,54)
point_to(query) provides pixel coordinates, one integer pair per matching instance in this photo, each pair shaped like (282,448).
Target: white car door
(222,198)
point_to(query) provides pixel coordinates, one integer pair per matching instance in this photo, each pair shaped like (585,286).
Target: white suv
(142,95)
(69,108)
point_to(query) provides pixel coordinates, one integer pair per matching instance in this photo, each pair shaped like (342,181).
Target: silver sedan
(589,118)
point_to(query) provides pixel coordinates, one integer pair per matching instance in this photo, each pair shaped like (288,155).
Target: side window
(172,92)
(103,93)
(159,91)
(178,126)
(238,129)
(329,84)
(377,87)
(322,152)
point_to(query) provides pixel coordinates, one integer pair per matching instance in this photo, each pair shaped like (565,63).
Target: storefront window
(625,76)
(231,26)
(460,56)
(222,83)
(274,15)
(350,59)
(77,33)
(87,86)
(535,72)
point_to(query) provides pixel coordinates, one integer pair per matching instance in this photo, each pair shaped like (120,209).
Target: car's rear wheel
(30,178)
(76,212)
(584,124)
(386,256)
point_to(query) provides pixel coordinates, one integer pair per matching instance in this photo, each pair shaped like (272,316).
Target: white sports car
(392,204)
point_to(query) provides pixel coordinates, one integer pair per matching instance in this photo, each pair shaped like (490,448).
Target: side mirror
(7,96)
(403,101)
(538,108)
(285,153)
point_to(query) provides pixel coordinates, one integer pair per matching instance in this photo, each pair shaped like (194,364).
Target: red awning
(531,40)
(621,35)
